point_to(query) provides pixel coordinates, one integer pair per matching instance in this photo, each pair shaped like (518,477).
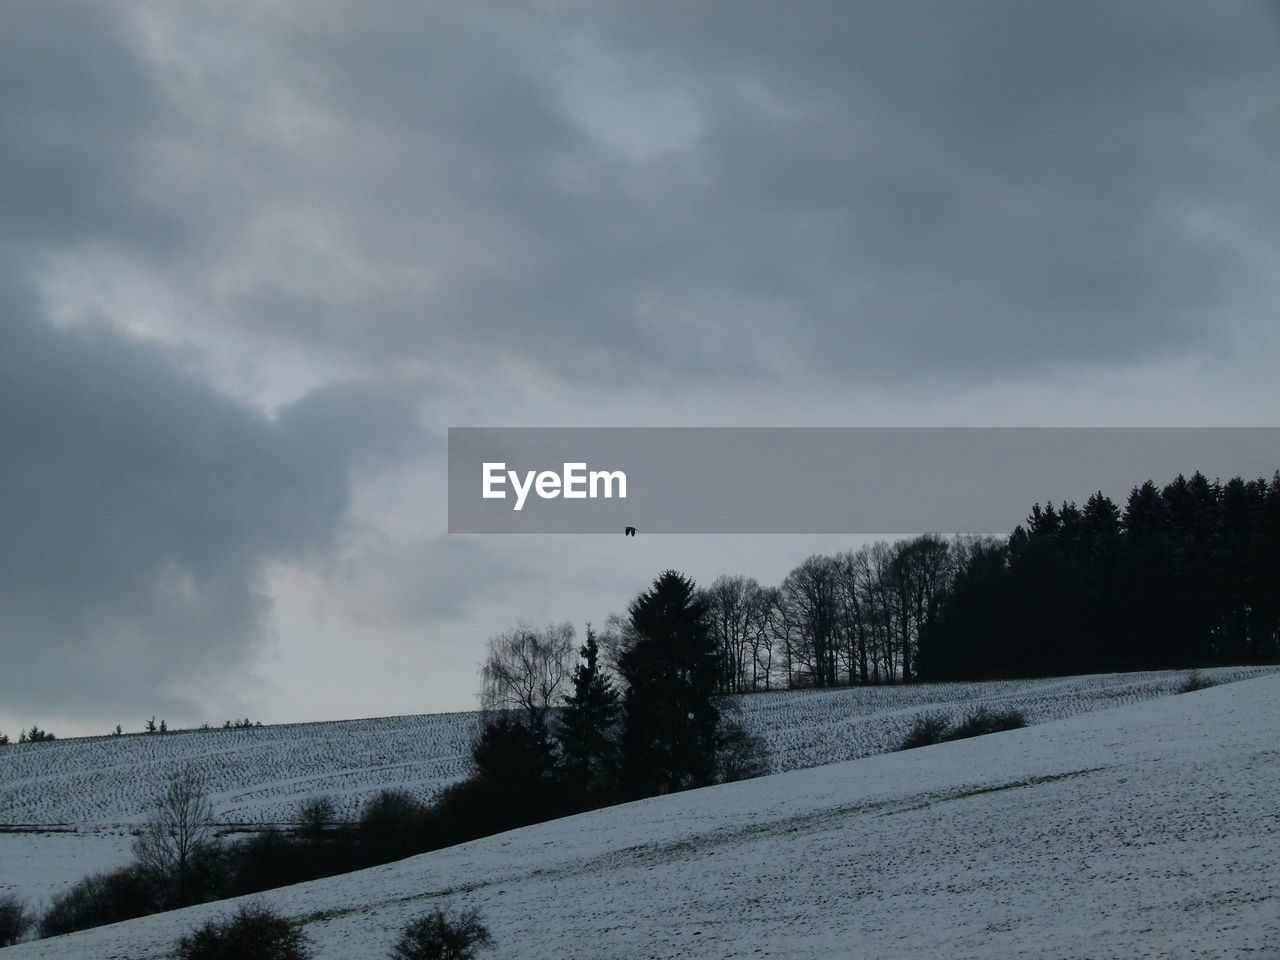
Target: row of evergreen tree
(1186,575)
(649,723)
(34,735)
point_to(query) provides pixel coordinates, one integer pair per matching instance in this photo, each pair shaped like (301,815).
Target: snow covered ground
(1147,830)
(37,865)
(259,774)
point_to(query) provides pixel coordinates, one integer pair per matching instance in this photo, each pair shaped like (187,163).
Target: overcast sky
(256,258)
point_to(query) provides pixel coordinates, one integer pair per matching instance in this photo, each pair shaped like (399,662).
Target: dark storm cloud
(668,189)
(979,189)
(82,121)
(140,508)
(621,196)
(986,187)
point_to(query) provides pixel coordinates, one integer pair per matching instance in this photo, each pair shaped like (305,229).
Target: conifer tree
(589,752)
(669,713)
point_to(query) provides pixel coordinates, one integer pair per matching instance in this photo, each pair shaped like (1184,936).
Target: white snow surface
(35,866)
(259,774)
(1147,830)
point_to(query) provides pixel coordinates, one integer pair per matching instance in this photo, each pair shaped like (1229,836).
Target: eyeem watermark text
(575,482)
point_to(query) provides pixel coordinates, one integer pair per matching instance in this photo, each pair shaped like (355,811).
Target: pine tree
(669,713)
(589,753)
(1146,570)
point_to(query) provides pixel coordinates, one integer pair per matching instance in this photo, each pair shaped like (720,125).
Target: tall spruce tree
(669,713)
(588,748)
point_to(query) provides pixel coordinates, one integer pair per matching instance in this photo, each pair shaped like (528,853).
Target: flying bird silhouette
(630,532)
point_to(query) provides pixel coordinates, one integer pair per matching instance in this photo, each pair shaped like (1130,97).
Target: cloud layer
(248,249)
(142,508)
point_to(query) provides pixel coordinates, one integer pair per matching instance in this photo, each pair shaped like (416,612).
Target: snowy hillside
(1148,830)
(259,774)
(252,775)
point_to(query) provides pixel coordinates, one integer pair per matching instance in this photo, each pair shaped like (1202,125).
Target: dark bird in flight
(630,531)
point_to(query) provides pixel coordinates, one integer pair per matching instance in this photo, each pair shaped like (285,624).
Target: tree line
(639,718)
(34,735)
(1184,576)
(835,620)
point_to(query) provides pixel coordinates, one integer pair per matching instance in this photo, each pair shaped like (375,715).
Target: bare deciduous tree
(180,828)
(528,670)
(738,613)
(811,596)
(15,920)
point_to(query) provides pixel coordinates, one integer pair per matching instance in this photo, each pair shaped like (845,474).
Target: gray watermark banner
(855,480)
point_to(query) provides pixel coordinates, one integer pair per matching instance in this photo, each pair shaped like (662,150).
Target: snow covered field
(1148,830)
(252,775)
(101,788)
(259,774)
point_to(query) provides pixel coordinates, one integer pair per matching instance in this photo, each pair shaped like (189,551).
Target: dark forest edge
(1183,577)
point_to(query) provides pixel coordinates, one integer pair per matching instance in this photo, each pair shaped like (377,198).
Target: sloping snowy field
(102,788)
(1147,830)
(258,775)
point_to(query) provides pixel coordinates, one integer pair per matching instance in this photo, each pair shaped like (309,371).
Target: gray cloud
(666,189)
(561,210)
(141,508)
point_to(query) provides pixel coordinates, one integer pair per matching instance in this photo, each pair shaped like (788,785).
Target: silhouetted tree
(811,594)
(587,735)
(180,830)
(15,920)
(254,932)
(443,935)
(99,899)
(920,570)
(393,825)
(526,670)
(315,815)
(738,618)
(669,716)
(512,785)
(1185,577)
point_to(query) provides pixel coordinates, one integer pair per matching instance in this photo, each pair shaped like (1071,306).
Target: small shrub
(252,933)
(99,899)
(930,728)
(15,921)
(262,861)
(740,754)
(443,935)
(983,721)
(393,825)
(1195,681)
(926,729)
